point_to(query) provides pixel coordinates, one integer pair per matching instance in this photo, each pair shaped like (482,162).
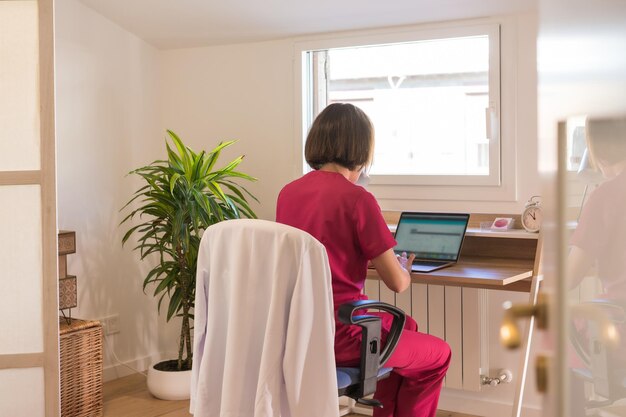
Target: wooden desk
(476,272)
(489,260)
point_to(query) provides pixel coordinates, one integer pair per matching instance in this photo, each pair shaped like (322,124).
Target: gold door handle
(592,311)
(509,329)
(541,372)
(510,333)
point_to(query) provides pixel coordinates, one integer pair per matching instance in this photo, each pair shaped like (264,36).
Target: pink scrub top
(601,232)
(347,220)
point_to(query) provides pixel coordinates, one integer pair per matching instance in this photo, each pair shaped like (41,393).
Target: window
(433,96)
(576,143)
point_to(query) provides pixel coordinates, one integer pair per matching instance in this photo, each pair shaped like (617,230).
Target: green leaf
(241,175)
(232,165)
(215,153)
(175,303)
(183,152)
(174,160)
(173,180)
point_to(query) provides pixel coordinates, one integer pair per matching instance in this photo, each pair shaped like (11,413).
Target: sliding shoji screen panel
(29,361)
(12,396)
(20,257)
(19,84)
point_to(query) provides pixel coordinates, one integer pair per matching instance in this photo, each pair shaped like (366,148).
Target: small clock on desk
(532,216)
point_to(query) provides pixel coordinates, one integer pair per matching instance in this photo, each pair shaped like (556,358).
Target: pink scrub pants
(420,362)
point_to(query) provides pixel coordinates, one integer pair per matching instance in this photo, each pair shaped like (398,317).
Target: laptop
(434,238)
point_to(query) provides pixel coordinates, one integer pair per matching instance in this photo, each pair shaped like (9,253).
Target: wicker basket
(81,368)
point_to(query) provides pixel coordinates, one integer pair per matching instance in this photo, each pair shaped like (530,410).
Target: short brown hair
(342,133)
(606,138)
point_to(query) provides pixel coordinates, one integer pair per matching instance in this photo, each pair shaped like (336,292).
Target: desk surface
(479,272)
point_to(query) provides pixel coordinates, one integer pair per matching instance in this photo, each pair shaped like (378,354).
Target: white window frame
(500,184)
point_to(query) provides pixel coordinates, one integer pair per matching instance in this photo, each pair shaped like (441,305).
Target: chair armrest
(616,309)
(605,314)
(345,315)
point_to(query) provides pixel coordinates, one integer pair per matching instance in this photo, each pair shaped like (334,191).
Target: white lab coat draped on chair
(264,324)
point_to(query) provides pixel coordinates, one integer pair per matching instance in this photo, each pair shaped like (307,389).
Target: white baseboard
(346,401)
(118,370)
(360,409)
(346,405)
(466,403)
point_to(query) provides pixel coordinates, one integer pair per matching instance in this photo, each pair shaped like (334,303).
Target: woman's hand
(390,269)
(406,262)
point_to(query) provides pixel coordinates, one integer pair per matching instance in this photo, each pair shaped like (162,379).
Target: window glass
(430,100)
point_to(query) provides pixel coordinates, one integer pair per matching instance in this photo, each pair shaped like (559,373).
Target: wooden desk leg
(528,337)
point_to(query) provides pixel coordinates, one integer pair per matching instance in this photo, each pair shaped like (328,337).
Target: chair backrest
(264,323)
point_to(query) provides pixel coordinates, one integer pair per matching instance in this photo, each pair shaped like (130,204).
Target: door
(582,106)
(29,364)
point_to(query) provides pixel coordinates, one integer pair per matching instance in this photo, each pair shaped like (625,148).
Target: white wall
(246,91)
(107,94)
(242,92)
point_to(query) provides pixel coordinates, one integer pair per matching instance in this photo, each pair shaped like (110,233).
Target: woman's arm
(395,277)
(578,264)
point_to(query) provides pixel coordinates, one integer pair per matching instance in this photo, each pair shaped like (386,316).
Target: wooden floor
(129,397)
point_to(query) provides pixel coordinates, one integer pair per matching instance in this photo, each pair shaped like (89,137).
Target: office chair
(600,349)
(264,326)
(360,382)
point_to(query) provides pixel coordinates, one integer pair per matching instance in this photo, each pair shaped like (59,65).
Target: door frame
(45,178)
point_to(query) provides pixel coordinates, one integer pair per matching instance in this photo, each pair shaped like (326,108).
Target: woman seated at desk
(600,241)
(347,219)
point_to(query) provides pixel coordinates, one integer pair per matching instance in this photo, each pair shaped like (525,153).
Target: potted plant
(180,198)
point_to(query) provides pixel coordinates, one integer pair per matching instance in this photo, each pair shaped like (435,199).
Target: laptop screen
(431,236)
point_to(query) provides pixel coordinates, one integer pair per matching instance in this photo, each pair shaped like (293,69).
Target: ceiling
(170,24)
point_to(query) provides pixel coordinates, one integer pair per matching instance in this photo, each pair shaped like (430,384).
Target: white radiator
(454,314)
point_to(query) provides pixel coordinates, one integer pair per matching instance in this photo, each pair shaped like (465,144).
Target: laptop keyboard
(429,263)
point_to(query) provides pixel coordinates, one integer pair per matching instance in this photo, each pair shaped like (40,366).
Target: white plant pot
(167,385)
